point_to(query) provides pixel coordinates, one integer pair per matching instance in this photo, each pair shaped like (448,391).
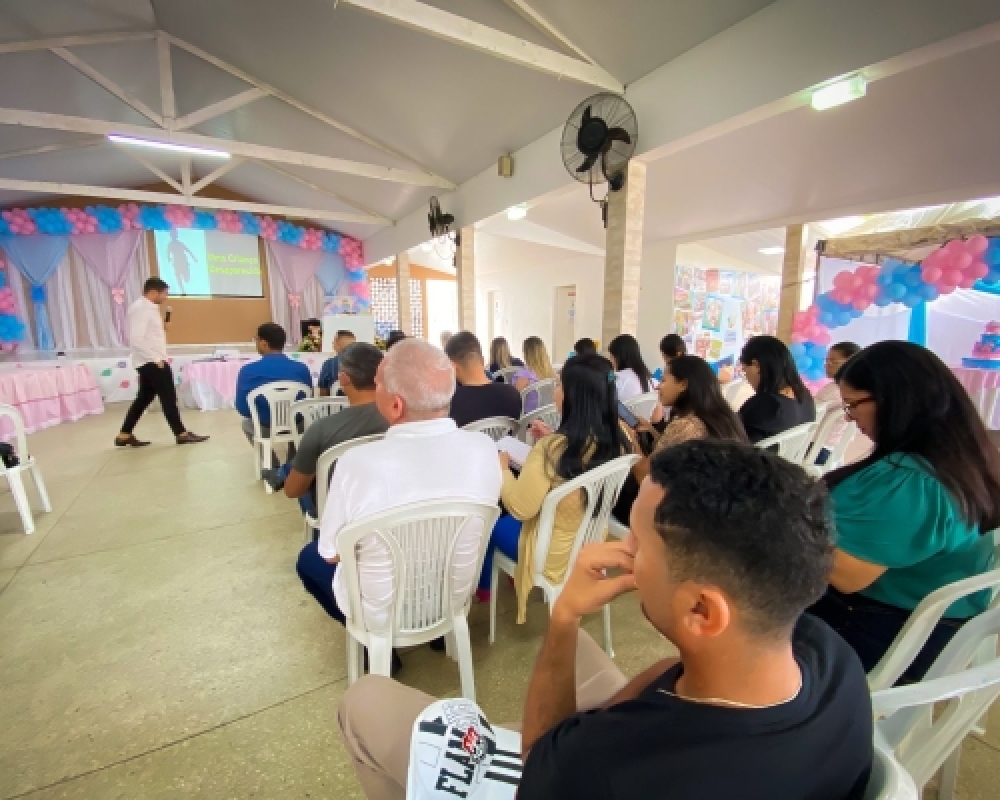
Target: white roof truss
(546,27)
(215,174)
(105,82)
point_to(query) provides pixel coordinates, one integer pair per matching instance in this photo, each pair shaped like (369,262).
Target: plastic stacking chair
(547,414)
(888,780)
(506,374)
(543,392)
(494,427)
(600,486)
(642,405)
(14,475)
(791,444)
(426,599)
(324,472)
(314,408)
(822,439)
(925,740)
(279,396)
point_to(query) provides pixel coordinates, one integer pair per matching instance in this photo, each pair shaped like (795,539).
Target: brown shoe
(129,441)
(190,438)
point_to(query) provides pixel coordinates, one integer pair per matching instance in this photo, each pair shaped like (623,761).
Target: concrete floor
(155,641)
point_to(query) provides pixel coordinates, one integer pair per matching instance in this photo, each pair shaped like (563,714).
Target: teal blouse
(897,514)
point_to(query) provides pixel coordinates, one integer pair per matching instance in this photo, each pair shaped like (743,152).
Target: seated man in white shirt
(424,456)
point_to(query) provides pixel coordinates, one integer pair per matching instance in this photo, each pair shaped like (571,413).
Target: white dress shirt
(146,335)
(416,462)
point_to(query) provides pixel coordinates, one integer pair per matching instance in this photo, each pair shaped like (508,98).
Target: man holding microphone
(148,341)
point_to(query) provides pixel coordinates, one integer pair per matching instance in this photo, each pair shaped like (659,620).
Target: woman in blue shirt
(916,514)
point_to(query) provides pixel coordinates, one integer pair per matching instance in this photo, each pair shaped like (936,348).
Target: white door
(564,323)
(495,300)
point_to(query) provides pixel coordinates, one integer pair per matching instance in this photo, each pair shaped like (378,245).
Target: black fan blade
(588,164)
(586,116)
(618,135)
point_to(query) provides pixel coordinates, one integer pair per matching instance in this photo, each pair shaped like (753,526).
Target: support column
(465,269)
(656,299)
(793,268)
(404,309)
(623,255)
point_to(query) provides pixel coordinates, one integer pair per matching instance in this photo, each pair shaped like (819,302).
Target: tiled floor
(155,642)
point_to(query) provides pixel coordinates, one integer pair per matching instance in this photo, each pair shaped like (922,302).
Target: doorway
(563,322)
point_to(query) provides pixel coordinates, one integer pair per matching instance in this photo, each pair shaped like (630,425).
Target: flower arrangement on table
(311,343)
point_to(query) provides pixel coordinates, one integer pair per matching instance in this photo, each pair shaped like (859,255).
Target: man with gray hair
(424,456)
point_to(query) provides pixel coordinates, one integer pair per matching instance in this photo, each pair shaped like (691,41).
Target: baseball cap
(455,752)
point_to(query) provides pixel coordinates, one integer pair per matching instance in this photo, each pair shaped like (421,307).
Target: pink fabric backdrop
(111,256)
(297,267)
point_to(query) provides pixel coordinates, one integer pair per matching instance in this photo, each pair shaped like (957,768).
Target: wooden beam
(218,109)
(167,99)
(453,28)
(214,175)
(52,148)
(294,102)
(159,173)
(321,190)
(141,196)
(186,176)
(59,122)
(75,41)
(546,27)
(106,83)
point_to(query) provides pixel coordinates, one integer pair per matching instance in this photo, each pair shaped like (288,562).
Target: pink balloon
(977,245)
(931,274)
(944,287)
(961,261)
(861,303)
(870,291)
(823,338)
(967,282)
(978,269)
(953,277)
(798,338)
(954,248)
(843,280)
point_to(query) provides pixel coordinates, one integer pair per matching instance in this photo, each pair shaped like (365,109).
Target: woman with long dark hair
(916,514)
(632,376)
(588,436)
(672,346)
(781,401)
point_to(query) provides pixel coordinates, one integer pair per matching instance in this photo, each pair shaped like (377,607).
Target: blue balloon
(928,292)
(896,291)
(825,319)
(798,350)
(842,318)
(912,300)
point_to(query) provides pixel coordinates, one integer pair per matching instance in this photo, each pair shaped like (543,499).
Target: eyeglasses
(849,407)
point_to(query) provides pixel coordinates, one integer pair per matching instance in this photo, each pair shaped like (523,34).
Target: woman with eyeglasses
(838,355)
(780,401)
(916,514)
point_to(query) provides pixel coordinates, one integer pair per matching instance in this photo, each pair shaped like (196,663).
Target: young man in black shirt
(729,545)
(476,396)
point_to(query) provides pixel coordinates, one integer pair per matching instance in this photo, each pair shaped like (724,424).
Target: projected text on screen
(205,263)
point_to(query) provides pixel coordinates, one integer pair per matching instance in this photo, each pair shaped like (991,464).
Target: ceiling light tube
(771,251)
(117,138)
(838,93)
(520,211)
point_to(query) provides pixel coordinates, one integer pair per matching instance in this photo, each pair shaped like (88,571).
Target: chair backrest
(494,427)
(642,405)
(600,487)
(20,438)
(791,444)
(543,392)
(506,374)
(923,737)
(888,780)
(548,414)
(921,623)
(279,396)
(326,462)
(821,439)
(421,540)
(732,389)
(314,408)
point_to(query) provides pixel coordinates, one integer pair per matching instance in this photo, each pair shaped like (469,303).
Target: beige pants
(376,718)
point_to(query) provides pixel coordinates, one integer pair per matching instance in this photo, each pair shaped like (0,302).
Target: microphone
(167,316)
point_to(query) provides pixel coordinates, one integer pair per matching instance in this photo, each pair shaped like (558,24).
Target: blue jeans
(317,574)
(504,538)
(307,503)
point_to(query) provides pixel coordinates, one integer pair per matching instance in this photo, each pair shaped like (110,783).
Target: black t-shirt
(473,403)
(660,747)
(765,415)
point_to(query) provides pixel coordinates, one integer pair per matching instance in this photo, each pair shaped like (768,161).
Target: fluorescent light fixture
(771,251)
(841,225)
(838,93)
(520,211)
(178,148)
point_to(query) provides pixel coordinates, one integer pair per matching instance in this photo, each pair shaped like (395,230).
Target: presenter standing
(148,341)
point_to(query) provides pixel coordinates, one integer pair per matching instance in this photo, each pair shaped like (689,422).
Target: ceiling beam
(59,122)
(546,27)
(159,173)
(167,99)
(218,109)
(294,102)
(317,188)
(106,83)
(453,28)
(186,176)
(215,174)
(141,196)
(52,148)
(75,41)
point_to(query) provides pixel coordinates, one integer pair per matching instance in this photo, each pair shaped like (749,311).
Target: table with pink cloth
(983,386)
(48,396)
(211,385)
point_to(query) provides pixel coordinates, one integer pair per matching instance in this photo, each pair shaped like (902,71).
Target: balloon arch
(960,263)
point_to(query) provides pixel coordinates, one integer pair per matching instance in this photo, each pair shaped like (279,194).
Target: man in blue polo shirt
(273,366)
(330,371)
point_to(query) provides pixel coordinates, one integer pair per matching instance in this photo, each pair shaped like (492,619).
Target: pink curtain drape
(111,256)
(297,267)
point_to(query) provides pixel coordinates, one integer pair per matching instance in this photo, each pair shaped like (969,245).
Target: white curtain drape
(313,299)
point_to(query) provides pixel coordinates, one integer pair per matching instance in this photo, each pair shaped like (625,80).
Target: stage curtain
(111,256)
(331,274)
(297,269)
(37,258)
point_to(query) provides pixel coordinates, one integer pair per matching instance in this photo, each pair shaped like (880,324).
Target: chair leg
(449,646)
(949,775)
(608,648)
(464,648)
(21,499)
(494,581)
(257,459)
(43,494)
(308,529)
(379,656)
(355,654)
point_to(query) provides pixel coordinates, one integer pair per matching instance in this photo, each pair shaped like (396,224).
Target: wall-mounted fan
(598,140)
(445,240)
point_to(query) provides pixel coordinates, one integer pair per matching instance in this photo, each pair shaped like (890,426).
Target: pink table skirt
(983,386)
(49,396)
(211,385)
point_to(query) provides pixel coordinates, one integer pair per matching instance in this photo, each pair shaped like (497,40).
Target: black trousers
(154,382)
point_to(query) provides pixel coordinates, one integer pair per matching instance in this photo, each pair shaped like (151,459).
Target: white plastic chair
(494,427)
(791,444)
(731,391)
(279,396)
(314,408)
(421,541)
(889,780)
(642,405)
(28,464)
(324,469)
(822,439)
(548,414)
(924,741)
(507,374)
(600,486)
(544,392)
